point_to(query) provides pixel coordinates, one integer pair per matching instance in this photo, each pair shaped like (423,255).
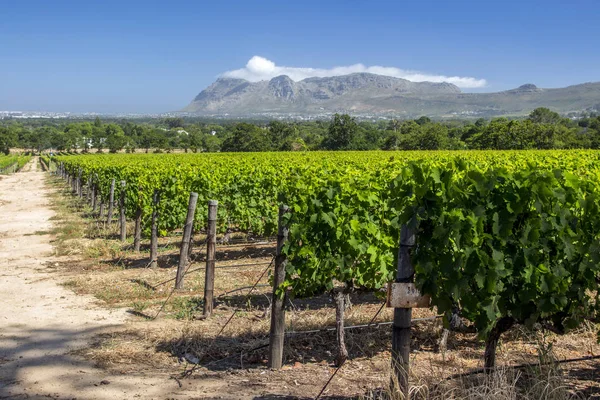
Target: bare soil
(81,325)
(44,324)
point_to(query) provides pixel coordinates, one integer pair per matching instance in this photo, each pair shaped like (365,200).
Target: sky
(132,56)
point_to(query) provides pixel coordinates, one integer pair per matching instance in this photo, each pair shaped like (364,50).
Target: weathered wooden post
(154,230)
(137,235)
(211,255)
(111,201)
(88,190)
(79,184)
(185,242)
(122,222)
(94,197)
(403,296)
(277,331)
(340,301)
(94,193)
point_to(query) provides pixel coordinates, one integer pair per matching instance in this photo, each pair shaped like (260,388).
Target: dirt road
(41,323)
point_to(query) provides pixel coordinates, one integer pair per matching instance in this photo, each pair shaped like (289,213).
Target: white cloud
(260,69)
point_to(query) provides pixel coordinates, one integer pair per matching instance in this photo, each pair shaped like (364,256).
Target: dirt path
(41,323)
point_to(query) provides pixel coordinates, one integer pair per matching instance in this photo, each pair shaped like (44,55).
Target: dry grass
(543,379)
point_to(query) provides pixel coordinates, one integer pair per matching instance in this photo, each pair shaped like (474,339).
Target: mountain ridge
(379,95)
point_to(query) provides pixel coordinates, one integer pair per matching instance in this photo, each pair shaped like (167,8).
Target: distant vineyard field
(10,162)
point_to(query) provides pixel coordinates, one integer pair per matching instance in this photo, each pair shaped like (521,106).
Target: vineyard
(500,237)
(12,163)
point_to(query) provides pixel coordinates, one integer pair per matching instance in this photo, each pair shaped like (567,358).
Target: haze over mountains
(366,94)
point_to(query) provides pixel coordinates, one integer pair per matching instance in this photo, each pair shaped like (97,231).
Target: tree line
(542,129)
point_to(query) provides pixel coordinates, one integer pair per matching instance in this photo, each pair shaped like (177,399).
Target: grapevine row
(500,235)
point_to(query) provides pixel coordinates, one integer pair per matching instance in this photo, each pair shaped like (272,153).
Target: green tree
(8,139)
(543,115)
(294,144)
(173,123)
(211,143)
(423,120)
(493,136)
(342,132)
(432,137)
(98,135)
(115,137)
(40,138)
(71,137)
(593,133)
(247,137)
(280,133)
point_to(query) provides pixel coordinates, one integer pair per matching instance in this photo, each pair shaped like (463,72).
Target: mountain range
(364,94)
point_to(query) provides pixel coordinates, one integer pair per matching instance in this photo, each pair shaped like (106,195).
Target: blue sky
(151,56)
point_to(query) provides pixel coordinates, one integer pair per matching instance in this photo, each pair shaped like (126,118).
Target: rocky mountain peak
(282,87)
(527,88)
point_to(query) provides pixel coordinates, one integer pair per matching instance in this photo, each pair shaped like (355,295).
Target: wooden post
(122,222)
(111,202)
(402,316)
(137,236)
(88,190)
(95,194)
(79,184)
(342,351)
(154,230)
(277,331)
(94,197)
(185,242)
(211,255)
(101,210)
